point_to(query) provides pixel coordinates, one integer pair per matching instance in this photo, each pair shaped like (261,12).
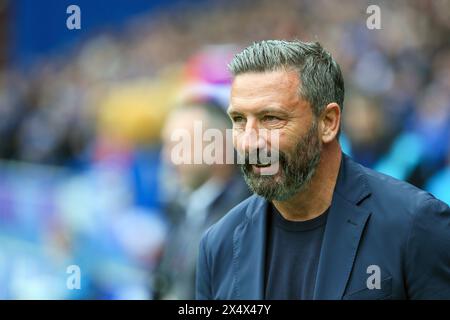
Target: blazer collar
(249,242)
(345,225)
(351,182)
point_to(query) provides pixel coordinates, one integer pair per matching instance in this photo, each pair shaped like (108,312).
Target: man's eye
(270,118)
(238,119)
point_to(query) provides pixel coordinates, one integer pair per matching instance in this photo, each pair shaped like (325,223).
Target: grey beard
(295,173)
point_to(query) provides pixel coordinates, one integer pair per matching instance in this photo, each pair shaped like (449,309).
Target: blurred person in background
(203,193)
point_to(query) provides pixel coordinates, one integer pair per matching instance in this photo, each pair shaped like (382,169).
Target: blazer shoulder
(223,230)
(395,192)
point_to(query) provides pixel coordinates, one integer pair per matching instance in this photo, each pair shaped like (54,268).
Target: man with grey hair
(321,226)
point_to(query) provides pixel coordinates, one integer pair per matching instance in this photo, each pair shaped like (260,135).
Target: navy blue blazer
(375,221)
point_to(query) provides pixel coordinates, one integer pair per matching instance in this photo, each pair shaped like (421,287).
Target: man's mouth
(269,168)
(262,165)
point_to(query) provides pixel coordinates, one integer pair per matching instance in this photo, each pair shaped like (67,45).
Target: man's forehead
(265,89)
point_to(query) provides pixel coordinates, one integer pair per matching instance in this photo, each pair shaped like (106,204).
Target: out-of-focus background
(86,117)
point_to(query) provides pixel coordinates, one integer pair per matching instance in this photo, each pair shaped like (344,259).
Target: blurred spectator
(202,194)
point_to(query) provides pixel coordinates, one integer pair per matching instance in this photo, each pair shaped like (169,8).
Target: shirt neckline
(306,225)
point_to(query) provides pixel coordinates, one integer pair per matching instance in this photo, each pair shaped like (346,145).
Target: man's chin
(264,186)
(271,187)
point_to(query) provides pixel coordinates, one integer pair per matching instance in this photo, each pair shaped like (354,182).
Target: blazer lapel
(249,241)
(342,235)
(345,225)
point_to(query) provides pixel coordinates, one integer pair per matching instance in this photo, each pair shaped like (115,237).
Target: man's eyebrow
(265,110)
(231,111)
(269,109)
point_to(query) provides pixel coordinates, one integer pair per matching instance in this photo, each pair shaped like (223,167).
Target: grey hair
(320,75)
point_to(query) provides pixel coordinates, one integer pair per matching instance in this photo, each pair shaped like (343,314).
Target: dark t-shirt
(292,256)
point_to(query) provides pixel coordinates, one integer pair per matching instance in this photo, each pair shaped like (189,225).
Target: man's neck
(316,197)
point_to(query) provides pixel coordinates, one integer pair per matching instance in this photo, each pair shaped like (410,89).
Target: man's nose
(252,139)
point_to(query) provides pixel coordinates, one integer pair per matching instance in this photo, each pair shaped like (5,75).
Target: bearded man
(321,226)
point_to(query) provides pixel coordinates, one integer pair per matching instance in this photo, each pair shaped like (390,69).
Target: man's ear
(330,122)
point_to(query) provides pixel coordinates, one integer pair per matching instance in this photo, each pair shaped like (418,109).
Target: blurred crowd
(84,174)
